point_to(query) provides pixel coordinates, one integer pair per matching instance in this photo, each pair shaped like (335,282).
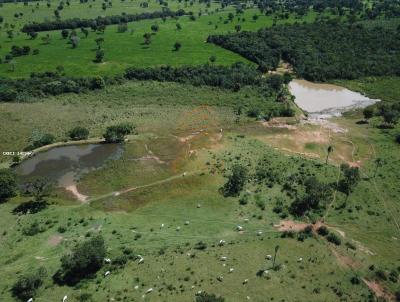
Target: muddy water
(326,100)
(63,165)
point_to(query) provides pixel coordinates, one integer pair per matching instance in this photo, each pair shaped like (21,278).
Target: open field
(127,49)
(154,192)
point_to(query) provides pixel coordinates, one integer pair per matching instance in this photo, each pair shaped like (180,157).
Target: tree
(117,133)
(276,252)
(238,27)
(212,59)
(368,113)
(39,139)
(84,260)
(178,26)
(33,35)
(236,181)
(351,176)
(39,188)
(378,163)
(155,28)
(390,117)
(64,33)
(329,151)
(74,41)
(147,38)
(99,56)
(177,46)
(26,285)
(78,133)
(99,42)
(397,136)
(8,184)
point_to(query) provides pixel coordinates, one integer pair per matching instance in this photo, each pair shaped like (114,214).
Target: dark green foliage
(200,245)
(316,195)
(398,138)
(205,297)
(84,261)
(7,94)
(355,280)
(323,230)
(33,229)
(8,184)
(350,178)
(236,181)
(78,133)
(39,139)
(335,239)
(210,75)
(27,285)
(39,188)
(397,294)
(98,22)
(320,51)
(30,207)
(117,133)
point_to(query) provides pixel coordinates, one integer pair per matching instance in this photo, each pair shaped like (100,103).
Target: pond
(63,165)
(326,100)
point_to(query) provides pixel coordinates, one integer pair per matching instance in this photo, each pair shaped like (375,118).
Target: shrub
(26,286)
(398,138)
(117,133)
(84,260)
(7,94)
(33,229)
(333,238)
(30,207)
(78,133)
(205,297)
(200,245)
(323,230)
(236,181)
(8,184)
(355,280)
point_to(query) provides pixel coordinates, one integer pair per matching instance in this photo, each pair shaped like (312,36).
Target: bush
(8,184)
(27,285)
(84,261)
(398,138)
(7,94)
(33,229)
(204,297)
(333,238)
(30,207)
(200,245)
(323,230)
(78,133)
(236,181)
(117,133)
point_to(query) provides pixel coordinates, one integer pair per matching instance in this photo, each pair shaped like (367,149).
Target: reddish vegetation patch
(290,225)
(55,240)
(379,290)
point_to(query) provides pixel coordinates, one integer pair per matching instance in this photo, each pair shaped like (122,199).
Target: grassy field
(173,267)
(127,49)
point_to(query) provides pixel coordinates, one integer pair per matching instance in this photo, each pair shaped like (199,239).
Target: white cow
(65,298)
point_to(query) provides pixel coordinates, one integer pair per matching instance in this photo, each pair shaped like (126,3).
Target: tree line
(320,51)
(99,21)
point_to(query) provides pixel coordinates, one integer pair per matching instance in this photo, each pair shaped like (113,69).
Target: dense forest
(99,21)
(54,83)
(320,51)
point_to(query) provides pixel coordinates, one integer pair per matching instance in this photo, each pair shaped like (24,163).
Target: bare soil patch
(55,240)
(379,290)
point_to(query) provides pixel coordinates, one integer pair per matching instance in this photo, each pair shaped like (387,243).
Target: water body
(326,100)
(63,165)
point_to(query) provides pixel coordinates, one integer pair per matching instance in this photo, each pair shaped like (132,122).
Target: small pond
(63,165)
(326,100)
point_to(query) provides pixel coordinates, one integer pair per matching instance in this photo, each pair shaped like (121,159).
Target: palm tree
(378,163)
(276,251)
(330,150)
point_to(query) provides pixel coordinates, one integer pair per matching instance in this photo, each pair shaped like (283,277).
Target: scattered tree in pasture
(84,261)
(117,133)
(236,181)
(147,38)
(8,184)
(212,59)
(122,27)
(65,33)
(99,56)
(368,113)
(177,46)
(26,285)
(33,35)
(78,133)
(379,162)
(39,188)
(238,27)
(205,297)
(155,28)
(350,178)
(275,254)
(178,26)
(329,150)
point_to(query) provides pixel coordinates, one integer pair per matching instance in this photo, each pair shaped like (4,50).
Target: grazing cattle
(149,290)
(198,205)
(221,242)
(107,260)
(220,278)
(231,270)
(178,228)
(187,222)
(259,233)
(239,228)
(246,281)
(223,258)
(162,225)
(65,298)
(30,300)
(300,259)
(141,259)
(269,257)
(107,273)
